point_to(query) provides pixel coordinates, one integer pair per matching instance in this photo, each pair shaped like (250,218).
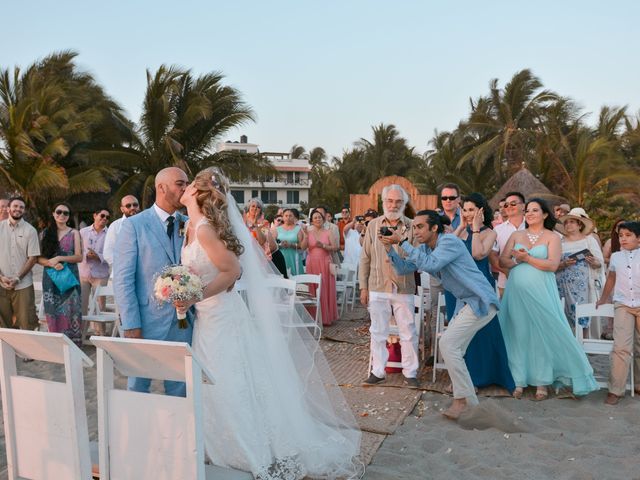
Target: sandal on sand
(541,394)
(517,393)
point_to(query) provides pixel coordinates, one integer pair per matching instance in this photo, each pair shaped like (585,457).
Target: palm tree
(183,116)
(47,114)
(590,163)
(387,154)
(505,123)
(297,151)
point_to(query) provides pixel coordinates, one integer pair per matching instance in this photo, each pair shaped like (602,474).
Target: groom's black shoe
(373,380)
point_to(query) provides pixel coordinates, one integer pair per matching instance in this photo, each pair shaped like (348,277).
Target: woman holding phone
(580,275)
(541,347)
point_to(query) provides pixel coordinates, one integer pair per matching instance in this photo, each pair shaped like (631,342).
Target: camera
(386,231)
(359,218)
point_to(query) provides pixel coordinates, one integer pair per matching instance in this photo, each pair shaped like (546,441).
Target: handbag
(63,279)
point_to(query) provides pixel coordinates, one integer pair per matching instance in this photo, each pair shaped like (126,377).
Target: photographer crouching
(387,293)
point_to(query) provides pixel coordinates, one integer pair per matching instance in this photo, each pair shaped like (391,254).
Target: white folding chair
(345,286)
(45,422)
(441,315)
(37,290)
(305,297)
(98,315)
(352,285)
(595,346)
(147,435)
(418,319)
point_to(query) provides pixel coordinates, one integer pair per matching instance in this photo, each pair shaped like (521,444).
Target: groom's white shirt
(164,216)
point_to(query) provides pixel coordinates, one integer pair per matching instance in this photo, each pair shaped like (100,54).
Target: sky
(322,73)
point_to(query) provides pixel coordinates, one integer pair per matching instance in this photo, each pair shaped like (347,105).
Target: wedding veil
(298,370)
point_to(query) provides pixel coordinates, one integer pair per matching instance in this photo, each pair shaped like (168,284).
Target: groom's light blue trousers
(175,389)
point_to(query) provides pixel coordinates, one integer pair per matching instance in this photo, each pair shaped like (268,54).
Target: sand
(553,439)
(502,438)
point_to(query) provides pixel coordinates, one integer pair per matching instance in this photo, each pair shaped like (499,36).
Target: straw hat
(581,216)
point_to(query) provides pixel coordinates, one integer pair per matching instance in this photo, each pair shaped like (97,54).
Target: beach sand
(553,439)
(502,438)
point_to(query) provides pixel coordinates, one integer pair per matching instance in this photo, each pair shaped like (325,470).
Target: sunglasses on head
(129,205)
(62,212)
(451,198)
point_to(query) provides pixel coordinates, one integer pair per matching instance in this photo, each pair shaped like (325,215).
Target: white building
(288,188)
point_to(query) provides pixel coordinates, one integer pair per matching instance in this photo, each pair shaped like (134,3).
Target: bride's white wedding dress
(259,416)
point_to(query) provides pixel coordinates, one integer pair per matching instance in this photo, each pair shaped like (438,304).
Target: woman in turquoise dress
(541,347)
(292,241)
(486,356)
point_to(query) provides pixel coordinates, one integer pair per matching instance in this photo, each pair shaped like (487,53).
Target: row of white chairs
(45,422)
(346,286)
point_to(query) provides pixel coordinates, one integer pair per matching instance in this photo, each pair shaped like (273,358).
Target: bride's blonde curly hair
(211,196)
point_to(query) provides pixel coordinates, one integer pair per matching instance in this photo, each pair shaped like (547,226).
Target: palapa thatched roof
(525,182)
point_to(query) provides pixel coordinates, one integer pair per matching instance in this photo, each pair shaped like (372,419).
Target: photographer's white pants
(380,310)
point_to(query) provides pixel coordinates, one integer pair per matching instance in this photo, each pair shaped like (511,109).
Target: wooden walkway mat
(381,410)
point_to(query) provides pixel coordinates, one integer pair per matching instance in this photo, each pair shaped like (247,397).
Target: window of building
(293,177)
(254,193)
(269,196)
(293,197)
(238,195)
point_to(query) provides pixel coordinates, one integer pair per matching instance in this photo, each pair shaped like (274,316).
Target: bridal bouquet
(178,283)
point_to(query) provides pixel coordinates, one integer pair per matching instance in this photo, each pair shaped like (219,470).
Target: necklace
(533,238)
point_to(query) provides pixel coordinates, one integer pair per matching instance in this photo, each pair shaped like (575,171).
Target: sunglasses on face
(62,212)
(104,215)
(450,199)
(129,205)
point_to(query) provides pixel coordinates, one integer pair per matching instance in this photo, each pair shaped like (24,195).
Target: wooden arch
(361,202)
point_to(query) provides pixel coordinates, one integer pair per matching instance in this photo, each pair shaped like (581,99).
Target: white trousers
(453,345)
(380,310)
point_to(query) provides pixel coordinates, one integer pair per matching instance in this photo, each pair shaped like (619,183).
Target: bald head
(129,205)
(170,185)
(169,174)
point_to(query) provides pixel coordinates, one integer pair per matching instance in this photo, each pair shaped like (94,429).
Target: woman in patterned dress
(61,245)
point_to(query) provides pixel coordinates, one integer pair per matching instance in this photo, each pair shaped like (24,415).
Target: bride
(275,409)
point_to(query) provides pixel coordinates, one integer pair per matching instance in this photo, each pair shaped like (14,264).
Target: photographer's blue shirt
(454,266)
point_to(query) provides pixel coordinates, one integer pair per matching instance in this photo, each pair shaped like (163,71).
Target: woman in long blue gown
(542,349)
(486,356)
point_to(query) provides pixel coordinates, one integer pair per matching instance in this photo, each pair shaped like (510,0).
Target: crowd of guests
(75,263)
(541,263)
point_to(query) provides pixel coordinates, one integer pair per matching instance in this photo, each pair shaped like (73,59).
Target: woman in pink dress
(321,244)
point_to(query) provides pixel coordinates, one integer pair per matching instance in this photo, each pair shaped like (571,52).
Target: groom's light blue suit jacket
(143,249)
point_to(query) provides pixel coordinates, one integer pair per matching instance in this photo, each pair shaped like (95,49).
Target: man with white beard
(385,292)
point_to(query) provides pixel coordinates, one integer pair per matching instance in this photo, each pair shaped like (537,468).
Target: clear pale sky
(321,73)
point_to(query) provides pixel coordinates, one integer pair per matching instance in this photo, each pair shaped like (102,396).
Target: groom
(147,243)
